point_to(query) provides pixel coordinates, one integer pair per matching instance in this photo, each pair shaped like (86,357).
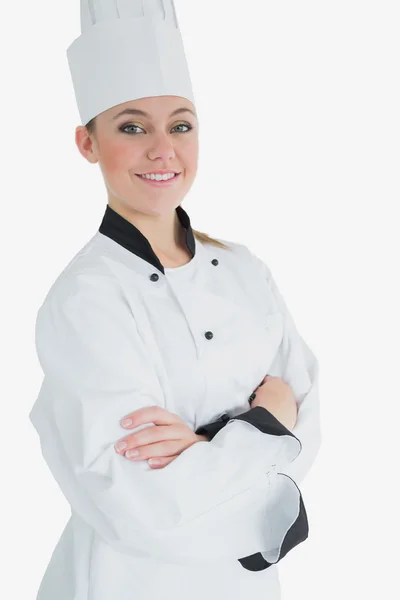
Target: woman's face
(132,143)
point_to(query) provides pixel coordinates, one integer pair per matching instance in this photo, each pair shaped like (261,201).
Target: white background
(299,159)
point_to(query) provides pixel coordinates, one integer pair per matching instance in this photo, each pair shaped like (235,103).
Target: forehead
(153,108)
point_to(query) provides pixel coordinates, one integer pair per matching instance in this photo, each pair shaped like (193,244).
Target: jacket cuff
(211,429)
(265,421)
(258,416)
(292,537)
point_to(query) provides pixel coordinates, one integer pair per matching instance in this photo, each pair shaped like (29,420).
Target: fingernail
(120,446)
(126,422)
(154,461)
(132,453)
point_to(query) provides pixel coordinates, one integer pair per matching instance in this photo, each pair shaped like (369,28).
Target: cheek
(118,158)
(191,154)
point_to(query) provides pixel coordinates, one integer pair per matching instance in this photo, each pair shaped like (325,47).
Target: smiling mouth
(159,182)
(142,174)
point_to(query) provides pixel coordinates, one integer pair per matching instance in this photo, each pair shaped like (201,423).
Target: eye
(189,127)
(123,128)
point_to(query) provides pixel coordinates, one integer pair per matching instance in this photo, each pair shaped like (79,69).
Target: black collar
(130,237)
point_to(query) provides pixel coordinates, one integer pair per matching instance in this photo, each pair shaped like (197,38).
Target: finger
(152,435)
(161,449)
(162,461)
(149,414)
(149,435)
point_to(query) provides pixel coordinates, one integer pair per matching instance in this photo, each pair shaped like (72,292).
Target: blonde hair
(199,235)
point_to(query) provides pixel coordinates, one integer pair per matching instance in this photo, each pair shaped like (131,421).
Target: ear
(86,144)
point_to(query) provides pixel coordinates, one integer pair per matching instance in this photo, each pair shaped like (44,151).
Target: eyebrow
(142,113)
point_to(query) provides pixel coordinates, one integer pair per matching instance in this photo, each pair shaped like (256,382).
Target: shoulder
(242,255)
(232,248)
(87,275)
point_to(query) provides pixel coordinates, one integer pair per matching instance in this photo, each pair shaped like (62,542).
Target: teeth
(159,177)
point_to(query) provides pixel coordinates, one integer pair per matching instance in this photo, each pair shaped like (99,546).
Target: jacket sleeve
(297,365)
(205,505)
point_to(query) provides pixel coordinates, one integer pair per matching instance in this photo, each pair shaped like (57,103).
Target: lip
(156,183)
(159,172)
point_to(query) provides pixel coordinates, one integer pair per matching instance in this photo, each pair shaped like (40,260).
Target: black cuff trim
(297,533)
(211,429)
(265,421)
(258,416)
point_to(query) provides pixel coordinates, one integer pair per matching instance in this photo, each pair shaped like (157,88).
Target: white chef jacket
(117,331)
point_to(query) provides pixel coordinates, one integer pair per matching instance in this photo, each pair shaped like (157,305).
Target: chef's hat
(128,49)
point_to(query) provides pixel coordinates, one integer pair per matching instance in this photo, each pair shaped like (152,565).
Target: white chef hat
(128,49)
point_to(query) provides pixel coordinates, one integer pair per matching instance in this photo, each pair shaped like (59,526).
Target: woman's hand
(164,442)
(277,396)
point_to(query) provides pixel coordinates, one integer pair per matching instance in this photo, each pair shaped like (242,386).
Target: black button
(209,335)
(154,277)
(214,261)
(224,417)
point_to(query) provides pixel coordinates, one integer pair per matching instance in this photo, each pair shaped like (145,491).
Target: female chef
(179,409)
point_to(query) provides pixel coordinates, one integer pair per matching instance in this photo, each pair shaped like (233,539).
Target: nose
(162,148)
